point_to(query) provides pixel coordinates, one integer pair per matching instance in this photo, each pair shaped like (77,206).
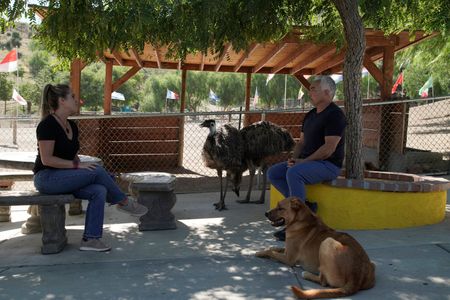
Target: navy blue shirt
(316,126)
(50,130)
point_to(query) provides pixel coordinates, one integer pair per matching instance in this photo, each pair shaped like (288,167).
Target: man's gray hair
(326,82)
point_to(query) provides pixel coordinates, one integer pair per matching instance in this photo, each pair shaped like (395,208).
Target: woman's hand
(87,165)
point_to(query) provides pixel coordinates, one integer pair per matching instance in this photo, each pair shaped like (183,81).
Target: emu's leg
(262,198)
(221,204)
(252,171)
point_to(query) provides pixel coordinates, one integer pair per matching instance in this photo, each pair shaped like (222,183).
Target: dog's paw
(262,254)
(277,249)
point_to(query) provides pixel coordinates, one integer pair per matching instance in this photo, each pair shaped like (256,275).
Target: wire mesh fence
(407,136)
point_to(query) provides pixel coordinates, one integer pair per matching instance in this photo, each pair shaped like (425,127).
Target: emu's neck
(212,130)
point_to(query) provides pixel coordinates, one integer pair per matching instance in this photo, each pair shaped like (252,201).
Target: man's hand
(293,161)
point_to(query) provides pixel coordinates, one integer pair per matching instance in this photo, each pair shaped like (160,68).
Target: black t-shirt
(316,126)
(50,130)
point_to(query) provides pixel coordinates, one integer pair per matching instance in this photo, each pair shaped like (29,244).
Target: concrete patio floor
(209,256)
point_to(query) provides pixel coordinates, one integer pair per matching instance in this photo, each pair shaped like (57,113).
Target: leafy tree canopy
(79,28)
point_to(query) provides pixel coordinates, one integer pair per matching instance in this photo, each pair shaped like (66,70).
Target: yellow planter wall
(347,208)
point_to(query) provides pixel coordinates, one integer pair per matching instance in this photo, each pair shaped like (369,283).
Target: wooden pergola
(290,55)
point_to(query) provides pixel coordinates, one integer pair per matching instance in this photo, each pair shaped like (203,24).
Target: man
(319,154)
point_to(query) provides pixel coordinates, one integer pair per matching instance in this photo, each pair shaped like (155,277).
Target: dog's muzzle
(275,223)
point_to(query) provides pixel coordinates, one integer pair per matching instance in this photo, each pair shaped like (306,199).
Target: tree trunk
(355,39)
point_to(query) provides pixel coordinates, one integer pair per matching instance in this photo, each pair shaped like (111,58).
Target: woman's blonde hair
(50,97)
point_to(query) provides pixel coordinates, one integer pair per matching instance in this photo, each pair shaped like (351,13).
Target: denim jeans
(290,181)
(97,186)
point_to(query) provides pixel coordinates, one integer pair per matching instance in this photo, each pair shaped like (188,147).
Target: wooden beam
(202,62)
(124,78)
(373,69)
(136,57)
(245,55)
(303,81)
(107,88)
(75,80)
(278,48)
(388,72)
(158,58)
(381,40)
(312,58)
(83,64)
(296,53)
(329,63)
(117,57)
(222,57)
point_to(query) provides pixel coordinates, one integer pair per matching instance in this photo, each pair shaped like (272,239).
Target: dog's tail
(347,290)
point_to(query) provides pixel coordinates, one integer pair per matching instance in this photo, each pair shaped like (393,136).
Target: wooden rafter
(331,62)
(158,58)
(202,61)
(312,58)
(381,40)
(124,78)
(291,57)
(222,56)
(179,65)
(278,48)
(303,81)
(117,57)
(137,58)
(245,55)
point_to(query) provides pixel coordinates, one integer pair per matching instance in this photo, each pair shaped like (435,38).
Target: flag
(117,96)
(256,97)
(337,78)
(269,77)
(172,95)
(424,89)
(300,94)
(18,98)
(9,63)
(398,82)
(213,97)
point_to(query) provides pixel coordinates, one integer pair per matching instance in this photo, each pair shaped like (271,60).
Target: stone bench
(52,215)
(156,191)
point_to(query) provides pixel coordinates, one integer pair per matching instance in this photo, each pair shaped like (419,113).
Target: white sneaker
(94,245)
(133,208)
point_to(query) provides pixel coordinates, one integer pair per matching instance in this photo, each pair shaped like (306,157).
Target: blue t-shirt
(316,126)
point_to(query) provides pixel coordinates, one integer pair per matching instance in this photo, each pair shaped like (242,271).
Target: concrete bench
(156,191)
(52,215)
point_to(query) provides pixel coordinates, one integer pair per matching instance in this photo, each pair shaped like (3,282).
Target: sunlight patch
(440,280)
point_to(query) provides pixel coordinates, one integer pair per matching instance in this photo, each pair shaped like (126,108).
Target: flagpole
(16,113)
(285,87)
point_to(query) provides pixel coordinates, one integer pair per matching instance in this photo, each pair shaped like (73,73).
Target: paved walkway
(209,256)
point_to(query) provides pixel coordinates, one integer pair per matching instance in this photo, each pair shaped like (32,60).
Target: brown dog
(337,258)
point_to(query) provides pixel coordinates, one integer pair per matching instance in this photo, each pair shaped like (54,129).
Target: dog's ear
(295,204)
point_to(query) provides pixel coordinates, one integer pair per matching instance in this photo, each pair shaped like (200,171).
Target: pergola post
(107,103)
(248,84)
(181,126)
(75,80)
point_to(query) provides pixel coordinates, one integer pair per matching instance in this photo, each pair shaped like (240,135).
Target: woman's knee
(96,193)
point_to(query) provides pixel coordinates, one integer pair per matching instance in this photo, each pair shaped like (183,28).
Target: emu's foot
(220,206)
(243,201)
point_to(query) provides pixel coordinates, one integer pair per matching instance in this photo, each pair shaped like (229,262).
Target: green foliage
(6,87)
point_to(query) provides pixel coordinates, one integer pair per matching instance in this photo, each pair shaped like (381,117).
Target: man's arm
(298,147)
(325,151)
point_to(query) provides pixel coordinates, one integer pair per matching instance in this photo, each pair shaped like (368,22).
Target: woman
(58,169)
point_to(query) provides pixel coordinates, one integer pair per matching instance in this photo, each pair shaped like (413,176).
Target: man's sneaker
(94,245)
(280,235)
(133,208)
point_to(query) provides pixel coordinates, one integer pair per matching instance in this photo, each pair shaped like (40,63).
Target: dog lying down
(338,259)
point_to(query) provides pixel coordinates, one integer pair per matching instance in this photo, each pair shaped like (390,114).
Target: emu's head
(211,124)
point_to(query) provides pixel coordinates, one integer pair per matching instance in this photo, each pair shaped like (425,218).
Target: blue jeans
(97,186)
(290,181)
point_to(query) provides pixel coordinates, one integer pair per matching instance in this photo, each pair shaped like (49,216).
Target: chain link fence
(407,136)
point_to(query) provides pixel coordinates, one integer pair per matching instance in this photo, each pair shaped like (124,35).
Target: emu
(261,141)
(223,150)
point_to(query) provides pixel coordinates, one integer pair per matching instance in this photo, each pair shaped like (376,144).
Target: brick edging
(393,182)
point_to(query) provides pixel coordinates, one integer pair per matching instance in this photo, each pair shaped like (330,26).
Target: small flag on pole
(9,63)
(398,82)
(424,89)
(213,97)
(256,97)
(269,77)
(172,95)
(300,93)
(19,99)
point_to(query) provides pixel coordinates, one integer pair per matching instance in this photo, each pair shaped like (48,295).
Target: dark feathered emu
(223,150)
(261,141)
